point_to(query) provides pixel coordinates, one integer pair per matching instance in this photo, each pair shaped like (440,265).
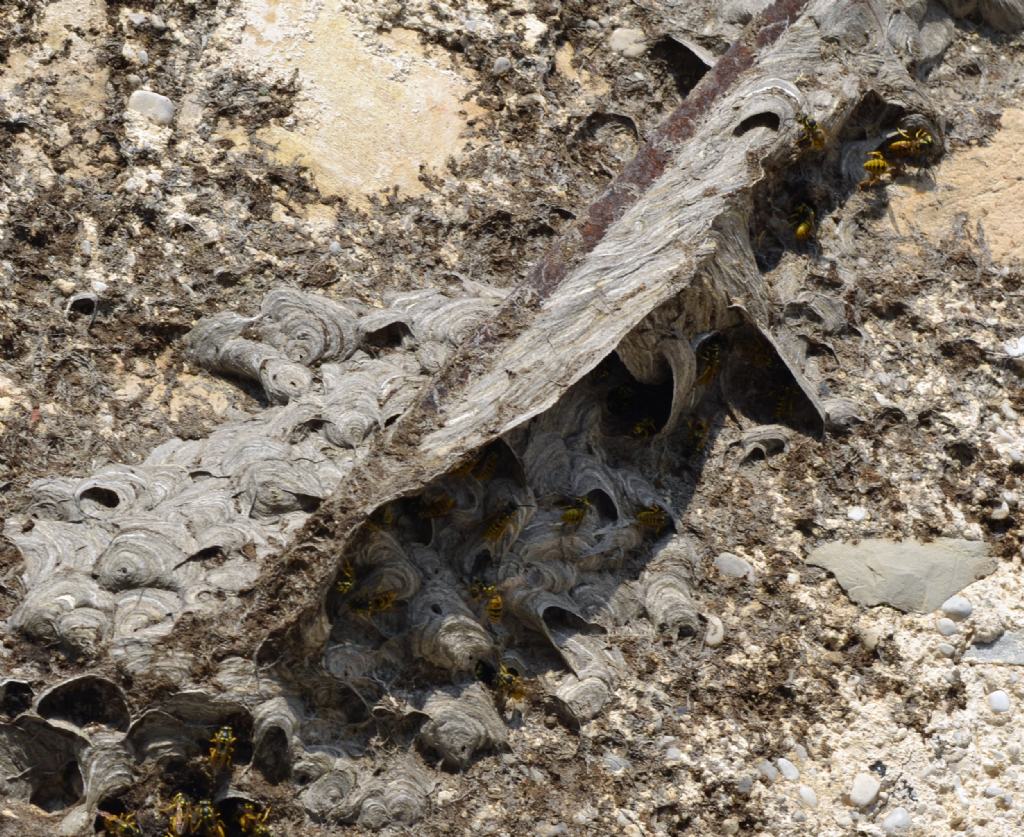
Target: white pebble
(715,633)
(808,797)
(733,566)
(946,627)
(864,790)
(673,755)
(1014,348)
(945,649)
(788,769)
(156,108)
(957,607)
(1000,512)
(768,771)
(896,822)
(502,64)
(993,790)
(999,701)
(630,42)
(857,513)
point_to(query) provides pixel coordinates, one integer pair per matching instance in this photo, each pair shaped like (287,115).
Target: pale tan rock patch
(373,111)
(986,183)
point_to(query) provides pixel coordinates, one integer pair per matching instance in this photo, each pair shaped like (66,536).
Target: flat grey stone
(733,566)
(156,108)
(1008,650)
(908,575)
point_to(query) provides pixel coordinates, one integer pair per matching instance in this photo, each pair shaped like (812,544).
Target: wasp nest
(493,572)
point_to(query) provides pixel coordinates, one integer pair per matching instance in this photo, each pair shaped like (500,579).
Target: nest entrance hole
(633,408)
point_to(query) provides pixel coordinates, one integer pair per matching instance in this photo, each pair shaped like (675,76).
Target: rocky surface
(263,148)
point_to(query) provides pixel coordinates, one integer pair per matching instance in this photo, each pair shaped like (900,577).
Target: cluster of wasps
(905,147)
(902,148)
(185,818)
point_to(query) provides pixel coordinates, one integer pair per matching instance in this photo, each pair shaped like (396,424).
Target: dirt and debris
(117,235)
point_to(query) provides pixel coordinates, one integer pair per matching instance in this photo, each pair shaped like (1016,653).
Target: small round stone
(999,701)
(946,627)
(864,790)
(788,769)
(158,109)
(630,42)
(945,649)
(896,822)
(768,770)
(715,633)
(673,755)
(733,566)
(808,798)
(857,513)
(502,64)
(957,607)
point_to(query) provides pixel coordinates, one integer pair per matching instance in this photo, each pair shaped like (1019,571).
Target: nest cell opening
(86,700)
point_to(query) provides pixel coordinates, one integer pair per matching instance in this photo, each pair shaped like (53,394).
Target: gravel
(865,790)
(732,566)
(896,822)
(957,607)
(999,701)
(158,109)
(808,798)
(769,771)
(788,769)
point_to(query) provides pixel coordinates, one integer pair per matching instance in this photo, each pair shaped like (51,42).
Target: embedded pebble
(1000,512)
(870,637)
(768,770)
(808,797)
(946,627)
(896,821)
(630,42)
(864,790)
(945,649)
(993,790)
(857,513)
(1014,347)
(673,755)
(158,109)
(957,607)
(733,566)
(615,764)
(502,64)
(715,633)
(548,830)
(788,769)
(999,701)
